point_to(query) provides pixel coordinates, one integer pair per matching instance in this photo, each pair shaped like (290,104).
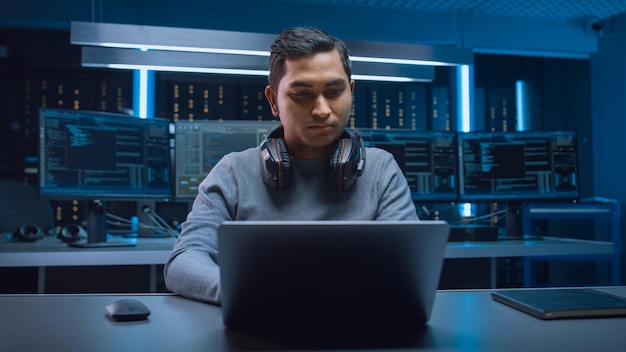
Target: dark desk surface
(461,321)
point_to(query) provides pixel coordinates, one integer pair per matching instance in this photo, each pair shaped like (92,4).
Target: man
(306,170)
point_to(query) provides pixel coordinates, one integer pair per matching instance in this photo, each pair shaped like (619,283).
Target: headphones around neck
(346,162)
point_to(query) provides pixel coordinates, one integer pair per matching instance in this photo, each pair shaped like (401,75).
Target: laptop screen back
(323,273)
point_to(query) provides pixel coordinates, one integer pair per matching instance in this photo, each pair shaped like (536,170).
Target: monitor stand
(514,228)
(97,229)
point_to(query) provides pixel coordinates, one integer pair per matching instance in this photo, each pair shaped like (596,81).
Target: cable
(128,225)
(158,221)
(486,216)
(424,212)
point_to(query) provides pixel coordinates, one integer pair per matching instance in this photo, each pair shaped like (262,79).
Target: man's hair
(298,42)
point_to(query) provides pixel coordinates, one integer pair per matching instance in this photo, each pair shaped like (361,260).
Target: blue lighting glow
(464,123)
(467,210)
(463,85)
(520,104)
(143,98)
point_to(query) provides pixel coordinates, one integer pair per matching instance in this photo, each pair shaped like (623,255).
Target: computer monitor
(201,144)
(516,167)
(96,157)
(428,160)
(513,166)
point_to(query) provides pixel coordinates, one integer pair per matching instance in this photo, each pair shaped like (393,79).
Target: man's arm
(396,202)
(193,269)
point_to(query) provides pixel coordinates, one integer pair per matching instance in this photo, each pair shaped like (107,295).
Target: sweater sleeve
(192,269)
(395,202)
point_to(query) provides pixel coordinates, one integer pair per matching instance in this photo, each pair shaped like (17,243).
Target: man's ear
(271,99)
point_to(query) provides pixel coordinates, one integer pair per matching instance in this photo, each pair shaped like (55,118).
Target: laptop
(329,274)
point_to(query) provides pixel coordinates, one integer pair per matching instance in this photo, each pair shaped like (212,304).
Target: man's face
(314,101)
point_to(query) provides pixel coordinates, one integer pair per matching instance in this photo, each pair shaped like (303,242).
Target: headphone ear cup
(72,233)
(28,233)
(275,161)
(345,163)
(285,162)
(338,163)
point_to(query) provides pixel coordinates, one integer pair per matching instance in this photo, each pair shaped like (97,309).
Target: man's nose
(321,108)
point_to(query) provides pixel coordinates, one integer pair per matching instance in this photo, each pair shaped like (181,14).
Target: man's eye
(300,94)
(336,91)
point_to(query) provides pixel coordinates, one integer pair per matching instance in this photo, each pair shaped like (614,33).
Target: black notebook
(561,303)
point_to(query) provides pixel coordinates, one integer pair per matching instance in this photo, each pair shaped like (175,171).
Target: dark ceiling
(541,9)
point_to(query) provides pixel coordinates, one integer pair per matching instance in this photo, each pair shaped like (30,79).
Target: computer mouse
(127,309)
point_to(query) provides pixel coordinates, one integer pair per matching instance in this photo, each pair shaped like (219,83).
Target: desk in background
(461,321)
(491,251)
(51,252)
(153,252)
(606,212)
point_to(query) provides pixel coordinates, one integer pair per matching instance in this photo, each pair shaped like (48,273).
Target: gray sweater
(234,190)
